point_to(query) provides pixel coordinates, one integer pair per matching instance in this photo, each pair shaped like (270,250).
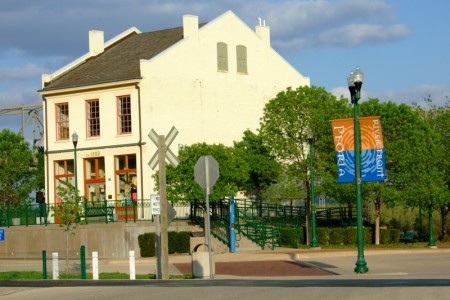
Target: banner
(373,166)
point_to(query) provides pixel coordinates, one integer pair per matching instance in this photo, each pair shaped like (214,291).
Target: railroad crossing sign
(171,157)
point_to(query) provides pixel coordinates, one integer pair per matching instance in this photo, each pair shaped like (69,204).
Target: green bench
(100,211)
(408,237)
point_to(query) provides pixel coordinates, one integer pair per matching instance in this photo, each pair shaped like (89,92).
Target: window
(126,180)
(93,118)
(64,174)
(124,114)
(241,55)
(95,180)
(222,57)
(62,121)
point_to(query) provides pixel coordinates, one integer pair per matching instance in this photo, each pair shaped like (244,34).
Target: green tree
(263,168)
(410,165)
(287,123)
(438,118)
(16,179)
(181,184)
(38,170)
(68,212)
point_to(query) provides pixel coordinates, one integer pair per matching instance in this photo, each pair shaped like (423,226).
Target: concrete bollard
(55,265)
(95,265)
(132,265)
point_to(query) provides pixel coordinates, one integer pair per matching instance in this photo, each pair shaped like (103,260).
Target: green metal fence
(90,212)
(262,222)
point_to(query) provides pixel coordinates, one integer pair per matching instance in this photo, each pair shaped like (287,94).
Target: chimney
(96,42)
(263,32)
(190,26)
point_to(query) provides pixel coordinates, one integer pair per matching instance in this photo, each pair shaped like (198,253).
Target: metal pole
(232,221)
(314,242)
(44,264)
(163,216)
(431,242)
(361,265)
(208,223)
(75,166)
(158,247)
(83,261)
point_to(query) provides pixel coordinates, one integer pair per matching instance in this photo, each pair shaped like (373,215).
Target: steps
(243,244)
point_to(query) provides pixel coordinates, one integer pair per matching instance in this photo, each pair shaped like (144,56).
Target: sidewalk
(277,263)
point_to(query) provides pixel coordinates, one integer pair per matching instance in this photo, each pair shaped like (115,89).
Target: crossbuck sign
(171,157)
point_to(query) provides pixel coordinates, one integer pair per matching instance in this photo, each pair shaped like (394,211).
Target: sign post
(206,173)
(159,159)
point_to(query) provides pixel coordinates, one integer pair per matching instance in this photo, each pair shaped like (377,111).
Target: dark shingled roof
(119,61)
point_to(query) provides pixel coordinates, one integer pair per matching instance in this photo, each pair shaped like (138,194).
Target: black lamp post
(75,142)
(314,242)
(431,241)
(355,80)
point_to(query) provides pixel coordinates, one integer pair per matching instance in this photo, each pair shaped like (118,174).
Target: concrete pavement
(381,263)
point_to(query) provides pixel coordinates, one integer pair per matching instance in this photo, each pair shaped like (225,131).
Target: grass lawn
(32,275)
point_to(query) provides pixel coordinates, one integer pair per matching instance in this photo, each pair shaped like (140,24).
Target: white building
(211,81)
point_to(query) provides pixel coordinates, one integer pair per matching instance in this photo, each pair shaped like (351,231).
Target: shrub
(178,243)
(337,236)
(323,235)
(147,244)
(389,236)
(291,237)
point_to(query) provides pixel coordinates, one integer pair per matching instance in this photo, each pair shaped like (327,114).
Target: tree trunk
(444,213)
(378,203)
(67,252)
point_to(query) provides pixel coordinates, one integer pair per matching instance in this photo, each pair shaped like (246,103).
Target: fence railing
(99,212)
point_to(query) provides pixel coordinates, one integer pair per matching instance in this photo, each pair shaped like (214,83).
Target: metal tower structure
(30,114)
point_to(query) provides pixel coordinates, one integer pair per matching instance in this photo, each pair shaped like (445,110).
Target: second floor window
(222,57)
(62,121)
(241,56)
(93,118)
(124,114)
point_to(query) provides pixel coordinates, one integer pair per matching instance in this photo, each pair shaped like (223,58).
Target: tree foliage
(69,209)
(287,123)
(263,168)
(16,178)
(181,184)
(438,168)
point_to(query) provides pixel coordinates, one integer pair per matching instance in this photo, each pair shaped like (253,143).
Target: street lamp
(431,241)
(355,80)
(314,243)
(75,142)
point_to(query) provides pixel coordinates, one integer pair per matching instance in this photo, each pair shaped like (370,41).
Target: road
(418,274)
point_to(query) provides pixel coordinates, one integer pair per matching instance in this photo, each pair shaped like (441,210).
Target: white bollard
(132,266)
(55,266)
(95,265)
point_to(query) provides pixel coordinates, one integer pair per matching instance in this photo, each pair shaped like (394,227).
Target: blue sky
(402,46)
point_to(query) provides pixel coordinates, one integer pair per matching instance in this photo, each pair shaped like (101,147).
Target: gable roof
(118,62)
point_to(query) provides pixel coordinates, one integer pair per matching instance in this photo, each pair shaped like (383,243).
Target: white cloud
(19,96)
(359,34)
(21,73)
(438,93)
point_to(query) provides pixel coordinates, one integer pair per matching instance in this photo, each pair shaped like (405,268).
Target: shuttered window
(222,57)
(241,56)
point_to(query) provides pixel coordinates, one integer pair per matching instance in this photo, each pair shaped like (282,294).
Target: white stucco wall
(181,87)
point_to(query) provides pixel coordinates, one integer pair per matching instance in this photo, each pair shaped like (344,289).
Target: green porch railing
(90,212)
